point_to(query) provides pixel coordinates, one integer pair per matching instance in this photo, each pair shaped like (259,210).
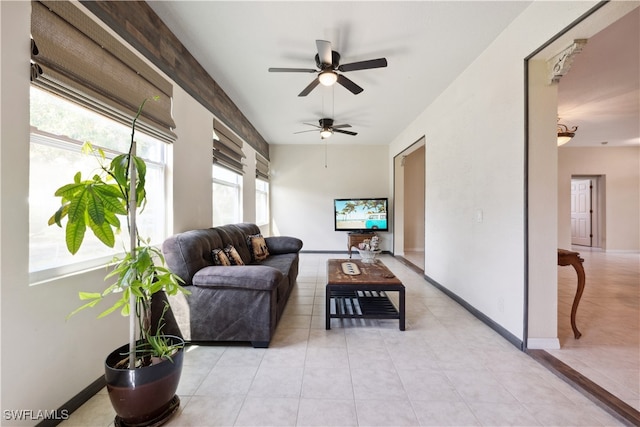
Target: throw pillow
(219,257)
(233,255)
(258,247)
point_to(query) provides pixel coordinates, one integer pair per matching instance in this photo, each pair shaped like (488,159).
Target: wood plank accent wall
(140,26)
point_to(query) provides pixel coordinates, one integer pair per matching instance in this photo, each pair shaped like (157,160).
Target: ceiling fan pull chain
(325,153)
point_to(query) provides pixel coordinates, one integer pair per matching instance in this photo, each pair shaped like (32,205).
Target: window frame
(158,165)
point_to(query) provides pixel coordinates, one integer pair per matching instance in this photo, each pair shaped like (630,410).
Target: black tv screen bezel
(359,230)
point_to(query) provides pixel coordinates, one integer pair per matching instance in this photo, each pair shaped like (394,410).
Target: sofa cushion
(256,277)
(188,252)
(283,244)
(282,262)
(220,257)
(233,255)
(257,247)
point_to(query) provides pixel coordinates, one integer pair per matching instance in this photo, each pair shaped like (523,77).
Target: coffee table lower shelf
(362,304)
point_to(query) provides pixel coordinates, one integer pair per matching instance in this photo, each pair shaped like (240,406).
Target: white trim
(543,344)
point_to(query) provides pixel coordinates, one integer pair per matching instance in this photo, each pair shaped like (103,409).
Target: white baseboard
(543,343)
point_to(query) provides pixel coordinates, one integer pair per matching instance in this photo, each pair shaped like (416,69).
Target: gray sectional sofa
(231,303)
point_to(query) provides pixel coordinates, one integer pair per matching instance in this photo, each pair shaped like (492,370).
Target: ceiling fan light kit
(327,128)
(327,78)
(328,63)
(326,133)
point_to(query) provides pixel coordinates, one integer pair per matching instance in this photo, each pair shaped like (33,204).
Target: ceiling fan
(327,128)
(328,62)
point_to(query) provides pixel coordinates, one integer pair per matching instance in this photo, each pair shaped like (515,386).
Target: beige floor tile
(446,369)
(386,412)
(268,411)
(444,413)
(327,412)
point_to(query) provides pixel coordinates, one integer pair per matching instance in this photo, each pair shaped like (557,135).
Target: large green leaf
(56,218)
(69,191)
(111,191)
(113,220)
(75,234)
(95,207)
(78,205)
(103,232)
(120,169)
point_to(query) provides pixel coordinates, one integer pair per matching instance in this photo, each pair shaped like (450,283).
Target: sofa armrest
(283,244)
(253,277)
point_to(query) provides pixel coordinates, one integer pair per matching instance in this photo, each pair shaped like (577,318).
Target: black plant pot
(143,396)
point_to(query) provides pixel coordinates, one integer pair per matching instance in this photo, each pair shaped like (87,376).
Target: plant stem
(133,237)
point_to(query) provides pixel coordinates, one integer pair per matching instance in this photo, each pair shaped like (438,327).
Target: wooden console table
(566,257)
(354,239)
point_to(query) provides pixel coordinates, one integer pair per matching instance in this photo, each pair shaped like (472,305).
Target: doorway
(609,335)
(409,200)
(586,208)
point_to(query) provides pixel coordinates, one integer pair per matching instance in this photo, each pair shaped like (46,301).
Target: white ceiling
(427,44)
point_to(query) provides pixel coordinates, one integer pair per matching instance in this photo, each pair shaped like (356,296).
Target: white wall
(475,166)
(620,167)
(303,189)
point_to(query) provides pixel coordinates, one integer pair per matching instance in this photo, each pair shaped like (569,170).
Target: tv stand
(356,237)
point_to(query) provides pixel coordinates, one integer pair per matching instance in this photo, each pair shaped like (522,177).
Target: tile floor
(608,352)
(447,368)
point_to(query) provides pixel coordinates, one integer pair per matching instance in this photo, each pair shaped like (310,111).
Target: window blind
(227,148)
(77,59)
(262,167)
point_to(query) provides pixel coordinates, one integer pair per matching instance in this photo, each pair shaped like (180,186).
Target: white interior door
(581,212)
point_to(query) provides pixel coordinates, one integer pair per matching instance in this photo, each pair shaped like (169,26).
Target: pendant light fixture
(565,134)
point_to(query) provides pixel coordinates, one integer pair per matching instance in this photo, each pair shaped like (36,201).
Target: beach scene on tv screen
(361,214)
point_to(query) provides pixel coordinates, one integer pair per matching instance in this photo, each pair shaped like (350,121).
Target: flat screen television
(361,214)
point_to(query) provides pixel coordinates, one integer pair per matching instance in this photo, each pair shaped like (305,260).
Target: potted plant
(142,376)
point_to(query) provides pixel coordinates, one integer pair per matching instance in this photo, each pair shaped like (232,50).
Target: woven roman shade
(262,167)
(77,59)
(227,148)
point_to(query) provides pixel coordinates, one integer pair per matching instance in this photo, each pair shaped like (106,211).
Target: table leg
(577,265)
(327,310)
(401,308)
(566,257)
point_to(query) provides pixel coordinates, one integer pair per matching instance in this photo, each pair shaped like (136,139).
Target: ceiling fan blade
(310,130)
(324,51)
(341,126)
(311,124)
(292,70)
(351,86)
(311,86)
(364,65)
(348,132)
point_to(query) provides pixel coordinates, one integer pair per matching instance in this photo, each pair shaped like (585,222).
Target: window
(227,192)
(262,202)
(58,130)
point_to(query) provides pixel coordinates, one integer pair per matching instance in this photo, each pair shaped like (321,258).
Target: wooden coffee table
(364,295)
